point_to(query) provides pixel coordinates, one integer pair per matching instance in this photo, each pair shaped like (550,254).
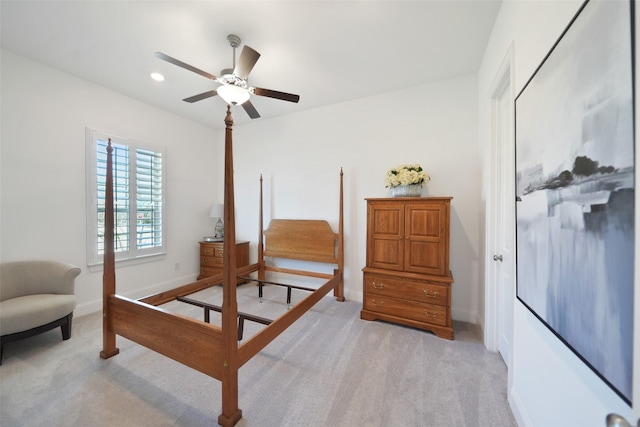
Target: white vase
(411,190)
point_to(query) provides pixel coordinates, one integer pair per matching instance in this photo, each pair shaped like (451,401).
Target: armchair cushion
(28,312)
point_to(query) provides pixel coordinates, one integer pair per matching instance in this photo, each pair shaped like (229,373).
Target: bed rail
(181,338)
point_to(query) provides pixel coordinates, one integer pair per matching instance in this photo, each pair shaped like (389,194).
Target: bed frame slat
(207,282)
(279,325)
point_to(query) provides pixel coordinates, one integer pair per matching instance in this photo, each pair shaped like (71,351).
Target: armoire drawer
(419,290)
(422,312)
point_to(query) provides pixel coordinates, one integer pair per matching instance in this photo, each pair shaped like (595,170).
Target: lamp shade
(233,94)
(217,210)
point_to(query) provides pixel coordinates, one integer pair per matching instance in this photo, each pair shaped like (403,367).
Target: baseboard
(480,322)
(95,306)
(464,315)
(518,409)
(353,295)
(88,307)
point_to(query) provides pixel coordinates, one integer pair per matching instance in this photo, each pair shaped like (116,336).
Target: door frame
(636,325)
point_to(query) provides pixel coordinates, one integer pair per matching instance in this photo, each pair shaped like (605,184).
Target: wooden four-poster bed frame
(211,349)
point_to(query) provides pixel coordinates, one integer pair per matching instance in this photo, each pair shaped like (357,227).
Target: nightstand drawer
(211,250)
(209,271)
(421,312)
(209,261)
(418,290)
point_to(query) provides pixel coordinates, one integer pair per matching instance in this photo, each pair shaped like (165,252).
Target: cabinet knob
(429,314)
(377,304)
(375,285)
(430,295)
(497,258)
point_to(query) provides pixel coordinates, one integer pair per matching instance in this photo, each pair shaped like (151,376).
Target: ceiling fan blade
(201,96)
(275,94)
(184,65)
(251,110)
(247,60)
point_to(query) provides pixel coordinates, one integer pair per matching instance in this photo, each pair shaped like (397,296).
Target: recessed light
(157,77)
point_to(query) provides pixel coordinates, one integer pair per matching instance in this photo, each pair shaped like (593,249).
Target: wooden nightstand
(212,257)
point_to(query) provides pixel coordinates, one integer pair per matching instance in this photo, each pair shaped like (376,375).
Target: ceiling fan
(234,87)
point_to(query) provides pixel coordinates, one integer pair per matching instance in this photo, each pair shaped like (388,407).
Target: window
(138,199)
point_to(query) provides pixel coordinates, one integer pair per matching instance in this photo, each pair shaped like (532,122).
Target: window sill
(128,262)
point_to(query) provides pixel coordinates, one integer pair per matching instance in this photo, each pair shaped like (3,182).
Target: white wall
(551,386)
(301,155)
(44,115)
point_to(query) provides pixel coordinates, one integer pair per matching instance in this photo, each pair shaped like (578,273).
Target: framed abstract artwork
(575,191)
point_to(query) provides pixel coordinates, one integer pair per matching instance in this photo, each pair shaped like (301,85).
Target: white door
(500,263)
(505,230)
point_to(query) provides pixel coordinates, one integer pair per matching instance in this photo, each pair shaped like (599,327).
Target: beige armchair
(35,297)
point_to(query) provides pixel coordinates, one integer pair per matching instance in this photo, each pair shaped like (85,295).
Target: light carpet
(329,369)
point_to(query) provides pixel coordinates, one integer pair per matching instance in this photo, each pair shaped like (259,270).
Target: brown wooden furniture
(407,278)
(212,257)
(211,349)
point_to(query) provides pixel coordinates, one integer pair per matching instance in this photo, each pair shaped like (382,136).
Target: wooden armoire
(407,278)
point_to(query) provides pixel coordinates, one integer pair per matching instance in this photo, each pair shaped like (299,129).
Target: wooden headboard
(300,239)
(304,240)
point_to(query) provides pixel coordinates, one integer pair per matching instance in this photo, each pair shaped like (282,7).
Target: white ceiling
(325,51)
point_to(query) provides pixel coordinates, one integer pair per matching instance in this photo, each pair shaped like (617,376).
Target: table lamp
(217,211)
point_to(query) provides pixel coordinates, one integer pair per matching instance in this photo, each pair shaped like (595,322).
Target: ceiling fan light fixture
(233,95)
(157,77)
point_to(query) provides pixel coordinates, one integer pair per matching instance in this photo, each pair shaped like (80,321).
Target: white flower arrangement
(406,175)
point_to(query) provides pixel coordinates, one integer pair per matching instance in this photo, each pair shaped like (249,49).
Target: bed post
(231,414)
(261,273)
(109,269)
(338,292)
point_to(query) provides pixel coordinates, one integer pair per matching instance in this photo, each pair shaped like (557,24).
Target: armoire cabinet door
(425,238)
(409,235)
(385,236)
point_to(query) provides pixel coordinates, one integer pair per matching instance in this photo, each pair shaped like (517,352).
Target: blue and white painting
(575,191)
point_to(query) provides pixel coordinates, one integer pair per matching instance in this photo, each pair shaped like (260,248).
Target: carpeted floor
(329,369)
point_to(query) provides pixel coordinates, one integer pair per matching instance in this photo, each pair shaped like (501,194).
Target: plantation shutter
(146,216)
(139,198)
(120,196)
(148,199)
